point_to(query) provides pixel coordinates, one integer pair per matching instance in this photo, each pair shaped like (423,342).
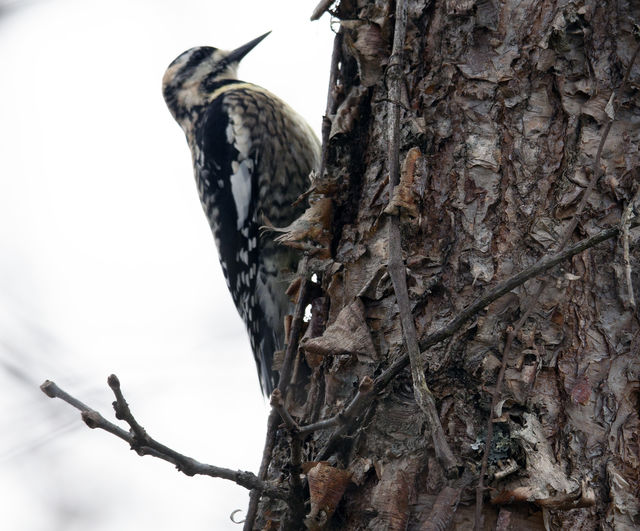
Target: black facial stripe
(212,83)
(199,55)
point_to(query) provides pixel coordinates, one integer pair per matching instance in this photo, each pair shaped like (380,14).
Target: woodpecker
(252,155)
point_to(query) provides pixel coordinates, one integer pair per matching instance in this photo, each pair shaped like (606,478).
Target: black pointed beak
(236,55)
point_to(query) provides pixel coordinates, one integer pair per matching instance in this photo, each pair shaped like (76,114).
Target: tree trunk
(503,106)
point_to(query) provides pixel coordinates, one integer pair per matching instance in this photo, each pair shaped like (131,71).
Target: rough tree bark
(503,106)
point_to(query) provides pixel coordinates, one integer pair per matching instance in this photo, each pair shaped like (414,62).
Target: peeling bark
(503,108)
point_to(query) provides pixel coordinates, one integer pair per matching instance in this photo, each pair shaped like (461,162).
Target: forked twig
(143,444)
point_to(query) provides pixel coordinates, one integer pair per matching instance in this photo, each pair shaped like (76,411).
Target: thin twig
(542,265)
(145,445)
(630,299)
(394,74)
(362,399)
(278,404)
(122,410)
(296,327)
(332,104)
(596,173)
(396,267)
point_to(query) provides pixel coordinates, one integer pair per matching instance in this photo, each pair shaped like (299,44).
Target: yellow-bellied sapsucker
(252,155)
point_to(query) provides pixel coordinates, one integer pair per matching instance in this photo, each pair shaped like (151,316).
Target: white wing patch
(241,188)
(240,137)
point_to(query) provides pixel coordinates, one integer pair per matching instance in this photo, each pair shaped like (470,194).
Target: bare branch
(145,445)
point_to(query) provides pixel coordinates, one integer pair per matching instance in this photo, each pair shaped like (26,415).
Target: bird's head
(194,75)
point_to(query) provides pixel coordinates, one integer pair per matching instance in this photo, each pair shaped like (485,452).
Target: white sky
(107,263)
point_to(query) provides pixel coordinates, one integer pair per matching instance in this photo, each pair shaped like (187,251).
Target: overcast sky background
(107,263)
